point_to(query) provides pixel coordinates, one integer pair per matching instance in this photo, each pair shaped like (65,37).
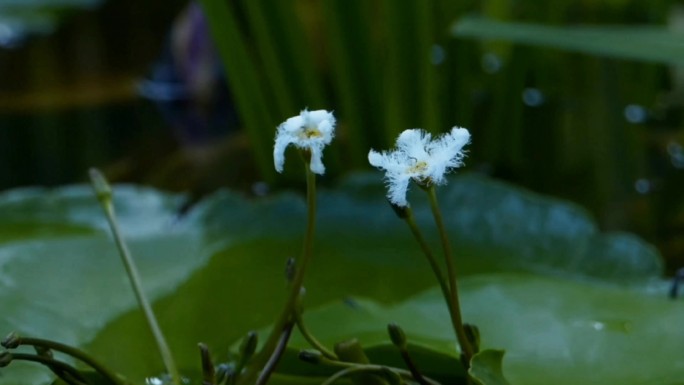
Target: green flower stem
(411,365)
(311,339)
(456,318)
(104,195)
(368,368)
(297,282)
(270,366)
(58,367)
(411,221)
(453,305)
(73,352)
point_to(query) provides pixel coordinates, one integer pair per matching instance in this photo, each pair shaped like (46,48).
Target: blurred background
(580,99)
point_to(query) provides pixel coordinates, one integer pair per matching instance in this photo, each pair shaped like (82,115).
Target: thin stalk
(104,195)
(270,366)
(454,309)
(451,274)
(55,366)
(311,339)
(372,369)
(208,370)
(297,282)
(411,222)
(411,365)
(73,352)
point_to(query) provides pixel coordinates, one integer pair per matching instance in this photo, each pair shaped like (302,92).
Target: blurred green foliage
(526,261)
(585,108)
(578,99)
(20,19)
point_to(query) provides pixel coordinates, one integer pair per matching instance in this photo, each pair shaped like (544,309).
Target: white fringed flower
(310,130)
(419,158)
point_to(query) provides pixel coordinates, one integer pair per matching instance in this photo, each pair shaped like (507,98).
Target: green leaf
(60,275)
(554,331)
(648,43)
(219,271)
(495,226)
(486,367)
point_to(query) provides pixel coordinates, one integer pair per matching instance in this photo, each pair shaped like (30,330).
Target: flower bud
(12,341)
(290,269)
(397,335)
(311,356)
(102,189)
(473,335)
(248,346)
(208,373)
(5,358)
(351,351)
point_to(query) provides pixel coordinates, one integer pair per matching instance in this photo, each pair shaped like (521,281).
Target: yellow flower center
(418,167)
(310,132)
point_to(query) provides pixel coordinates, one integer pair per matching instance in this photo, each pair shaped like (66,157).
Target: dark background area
(603,132)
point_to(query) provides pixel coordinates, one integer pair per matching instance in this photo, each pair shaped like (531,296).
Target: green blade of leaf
(355,73)
(645,43)
(245,84)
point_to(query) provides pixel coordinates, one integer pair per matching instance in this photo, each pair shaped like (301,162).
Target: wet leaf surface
(219,271)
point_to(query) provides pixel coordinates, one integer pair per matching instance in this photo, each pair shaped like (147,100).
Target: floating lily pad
(219,271)
(554,331)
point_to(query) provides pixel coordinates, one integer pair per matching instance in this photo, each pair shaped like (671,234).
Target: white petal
(281,143)
(327,128)
(291,125)
(393,163)
(414,144)
(318,116)
(316,164)
(410,138)
(460,135)
(376,159)
(398,186)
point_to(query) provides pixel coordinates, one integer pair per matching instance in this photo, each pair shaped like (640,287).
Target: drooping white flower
(420,158)
(310,130)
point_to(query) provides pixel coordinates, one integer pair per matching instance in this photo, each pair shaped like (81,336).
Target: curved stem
(410,220)
(54,365)
(451,273)
(275,357)
(297,282)
(453,306)
(417,375)
(311,339)
(372,368)
(73,352)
